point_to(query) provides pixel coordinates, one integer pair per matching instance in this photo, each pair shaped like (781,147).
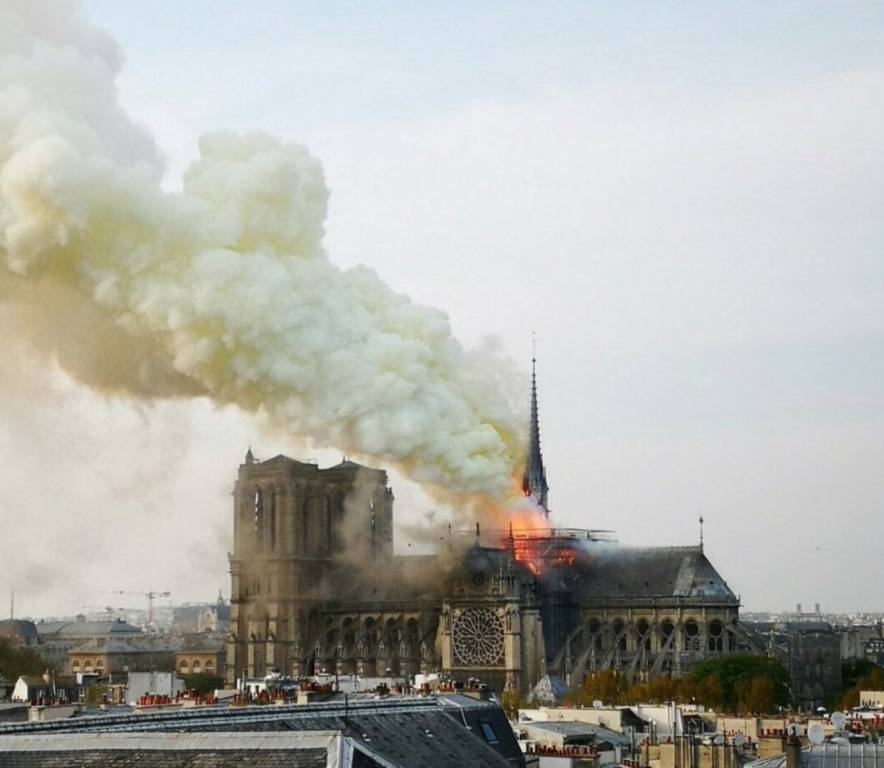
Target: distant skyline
(683,200)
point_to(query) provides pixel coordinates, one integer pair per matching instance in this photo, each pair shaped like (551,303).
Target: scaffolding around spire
(534,480)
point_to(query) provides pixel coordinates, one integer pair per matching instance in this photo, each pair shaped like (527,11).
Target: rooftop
(400,731)
(831,756)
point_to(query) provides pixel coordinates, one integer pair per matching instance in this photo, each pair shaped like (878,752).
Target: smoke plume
(222,289)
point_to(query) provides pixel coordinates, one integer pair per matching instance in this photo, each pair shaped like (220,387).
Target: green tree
(203,683)
(856,675)
(735,679)
(608,686)
(511,702)
(15,661)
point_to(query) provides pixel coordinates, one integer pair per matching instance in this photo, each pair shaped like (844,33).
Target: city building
(201,655)
(57,638)
(115,655)
(21,633)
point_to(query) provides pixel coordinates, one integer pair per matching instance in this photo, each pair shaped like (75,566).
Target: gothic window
(273,521)
(716,636)
(618,635)
(643,635)
(595,632)
(692,635)
(666,631)
(329,531)
(304,527)
(259,519)
(478,637)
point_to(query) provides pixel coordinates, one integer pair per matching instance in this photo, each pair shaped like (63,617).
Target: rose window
(478,637)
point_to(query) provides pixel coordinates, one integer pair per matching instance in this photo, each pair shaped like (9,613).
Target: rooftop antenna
(11,604)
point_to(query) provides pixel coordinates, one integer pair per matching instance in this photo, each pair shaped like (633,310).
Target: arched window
(88,664)
(716,636)
(692,635)
(643,635)
(210,665)
(183,666)
(618,635)
(259,519)
(197,667)
(595,634)
(75,663)
(273,521)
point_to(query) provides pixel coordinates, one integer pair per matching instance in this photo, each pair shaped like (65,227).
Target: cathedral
(316,587)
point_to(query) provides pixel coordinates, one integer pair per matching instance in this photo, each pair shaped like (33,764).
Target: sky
(682,200)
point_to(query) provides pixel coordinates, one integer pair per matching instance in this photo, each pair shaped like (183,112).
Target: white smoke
(224,288)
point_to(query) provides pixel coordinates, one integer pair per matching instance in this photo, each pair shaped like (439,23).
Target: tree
(15,662)
(203,683)
(856,675)
(608,686)
(511,702)
(739,689)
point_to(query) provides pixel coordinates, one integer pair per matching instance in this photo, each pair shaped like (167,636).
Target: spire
(250,458)
(701,532)
(534,479)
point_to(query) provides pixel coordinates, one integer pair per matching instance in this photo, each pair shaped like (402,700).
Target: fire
(527,522)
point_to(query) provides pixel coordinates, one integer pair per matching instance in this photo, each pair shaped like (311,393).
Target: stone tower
(291,521)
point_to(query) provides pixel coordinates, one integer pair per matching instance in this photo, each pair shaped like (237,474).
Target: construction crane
(150,598)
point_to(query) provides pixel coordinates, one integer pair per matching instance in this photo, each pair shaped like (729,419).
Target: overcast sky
(684,200)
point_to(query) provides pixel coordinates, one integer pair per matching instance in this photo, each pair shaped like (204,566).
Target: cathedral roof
(651,572)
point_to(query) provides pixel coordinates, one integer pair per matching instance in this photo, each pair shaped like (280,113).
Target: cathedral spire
(534,479)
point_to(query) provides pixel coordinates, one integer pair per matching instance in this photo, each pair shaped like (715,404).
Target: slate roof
(73,629)
(403,731)
(647,572)
(19,629)
(171,750)
(549,691)
(130,645)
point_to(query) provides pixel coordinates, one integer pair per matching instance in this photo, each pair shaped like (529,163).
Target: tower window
(259,519)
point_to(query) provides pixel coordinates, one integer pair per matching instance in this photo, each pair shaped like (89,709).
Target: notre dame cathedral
(315,586)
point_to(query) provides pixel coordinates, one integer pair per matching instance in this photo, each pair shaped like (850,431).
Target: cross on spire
(534,479)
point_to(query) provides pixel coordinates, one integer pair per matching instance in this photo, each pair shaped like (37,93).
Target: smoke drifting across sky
(222,289)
